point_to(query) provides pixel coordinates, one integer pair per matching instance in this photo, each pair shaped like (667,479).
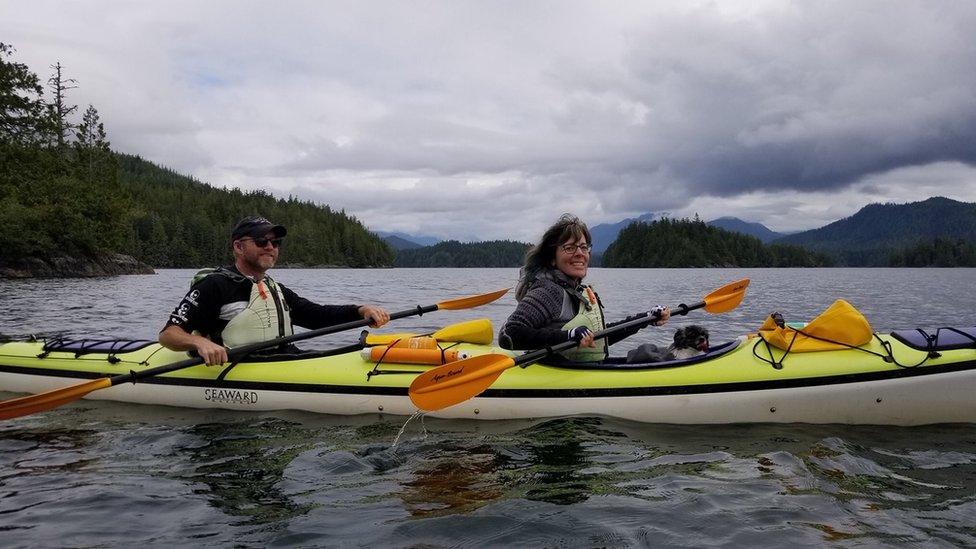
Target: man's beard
(256,263)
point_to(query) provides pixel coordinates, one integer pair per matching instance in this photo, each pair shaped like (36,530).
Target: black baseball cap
(256,227)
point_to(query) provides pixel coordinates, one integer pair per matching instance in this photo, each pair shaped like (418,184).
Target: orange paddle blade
(23,406)
(456,382)
(727,297)
(471,301)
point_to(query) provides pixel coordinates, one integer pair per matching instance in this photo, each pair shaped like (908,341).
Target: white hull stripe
(367,389)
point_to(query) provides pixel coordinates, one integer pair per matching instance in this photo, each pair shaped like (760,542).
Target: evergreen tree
(92,146)
(58,110)
(21,103)
(938,252)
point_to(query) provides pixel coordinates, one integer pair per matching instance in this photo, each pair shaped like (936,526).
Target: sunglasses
(262,242)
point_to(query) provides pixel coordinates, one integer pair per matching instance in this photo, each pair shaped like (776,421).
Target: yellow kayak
(909,377)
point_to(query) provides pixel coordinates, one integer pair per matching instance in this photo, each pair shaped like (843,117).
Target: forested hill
(882,234)
(737,225)
(693,243)
(180,222)
(68,202)
(451,253)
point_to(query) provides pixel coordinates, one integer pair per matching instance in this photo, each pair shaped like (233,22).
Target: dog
(688,342)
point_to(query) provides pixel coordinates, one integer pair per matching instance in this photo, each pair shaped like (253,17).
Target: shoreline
(73,267)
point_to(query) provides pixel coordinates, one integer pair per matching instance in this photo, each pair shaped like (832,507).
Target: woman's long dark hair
(543,255)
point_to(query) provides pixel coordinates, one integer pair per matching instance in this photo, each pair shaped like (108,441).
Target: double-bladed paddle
(456,382)
(52,399)
(470,331)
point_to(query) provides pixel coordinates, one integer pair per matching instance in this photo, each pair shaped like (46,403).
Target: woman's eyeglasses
(262,242)
(571,248)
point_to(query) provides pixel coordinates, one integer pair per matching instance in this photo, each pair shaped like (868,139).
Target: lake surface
(108,474)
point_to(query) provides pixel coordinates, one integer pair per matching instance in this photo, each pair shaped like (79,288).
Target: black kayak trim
(768,384)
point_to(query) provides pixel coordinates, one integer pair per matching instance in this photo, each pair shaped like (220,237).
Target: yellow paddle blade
(727,297)
(456,382)
(23,406)
(472,331)
(471,301)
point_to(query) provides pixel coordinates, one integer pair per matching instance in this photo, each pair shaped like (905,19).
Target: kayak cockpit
(620,363)
(942,339)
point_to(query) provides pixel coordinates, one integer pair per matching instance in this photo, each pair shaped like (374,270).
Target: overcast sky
(483,120)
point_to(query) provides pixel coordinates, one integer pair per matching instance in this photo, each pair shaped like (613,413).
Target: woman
(554,303)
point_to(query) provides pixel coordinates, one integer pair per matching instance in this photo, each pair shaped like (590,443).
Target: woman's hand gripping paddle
(23,406)
(456,382)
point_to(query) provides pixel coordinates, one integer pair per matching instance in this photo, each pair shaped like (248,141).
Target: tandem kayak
(909,377)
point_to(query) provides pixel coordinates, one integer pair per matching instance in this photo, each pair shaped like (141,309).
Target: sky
(487,120)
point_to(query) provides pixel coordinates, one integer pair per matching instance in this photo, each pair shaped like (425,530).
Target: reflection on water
(545,463)
(46,451)
(242,464)
(454,479)
(552,470)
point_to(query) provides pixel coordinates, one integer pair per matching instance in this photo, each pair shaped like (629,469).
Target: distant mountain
(605,233)
(736,225)
(398,243)
(419,240)
(870,236)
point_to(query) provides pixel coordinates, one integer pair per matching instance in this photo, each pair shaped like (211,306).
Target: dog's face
(691,337)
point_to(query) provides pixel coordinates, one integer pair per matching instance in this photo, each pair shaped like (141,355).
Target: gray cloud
(814,97)
(475,120)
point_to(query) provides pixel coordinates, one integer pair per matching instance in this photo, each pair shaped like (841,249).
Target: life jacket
(263,317)
(589,314)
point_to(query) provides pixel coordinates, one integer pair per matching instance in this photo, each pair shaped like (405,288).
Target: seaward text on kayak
(230,396)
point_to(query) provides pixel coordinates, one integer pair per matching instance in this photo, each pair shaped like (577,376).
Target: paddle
(52,399)
(470,331)
(456,382)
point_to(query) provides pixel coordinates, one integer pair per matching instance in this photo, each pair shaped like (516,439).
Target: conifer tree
(91,143)
(58,110)
(21,103)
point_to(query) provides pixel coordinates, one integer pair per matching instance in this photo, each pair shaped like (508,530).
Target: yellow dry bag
(841,326)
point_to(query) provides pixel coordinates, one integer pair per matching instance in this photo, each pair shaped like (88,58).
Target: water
(106,474)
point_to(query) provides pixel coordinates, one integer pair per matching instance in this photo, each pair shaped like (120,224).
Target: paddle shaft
(244,350)
(535,356)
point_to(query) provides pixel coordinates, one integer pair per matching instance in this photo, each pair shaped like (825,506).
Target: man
(240,304)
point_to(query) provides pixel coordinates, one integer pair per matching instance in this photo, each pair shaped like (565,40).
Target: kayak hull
(734,386)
